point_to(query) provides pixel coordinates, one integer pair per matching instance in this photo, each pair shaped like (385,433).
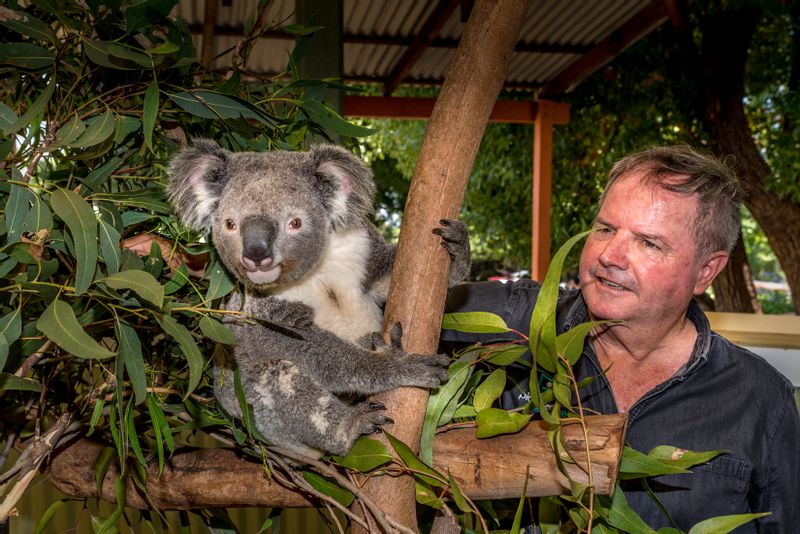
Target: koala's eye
(295,223)
(230,224)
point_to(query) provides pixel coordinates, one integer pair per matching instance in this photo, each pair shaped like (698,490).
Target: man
(668,220)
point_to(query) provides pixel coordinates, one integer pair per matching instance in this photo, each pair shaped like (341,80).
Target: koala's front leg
(343,367)
(455,239)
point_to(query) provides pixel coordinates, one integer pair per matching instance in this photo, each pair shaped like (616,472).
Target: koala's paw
(425,371)
(374,341)
(293,315)
(369,419)
(455,240)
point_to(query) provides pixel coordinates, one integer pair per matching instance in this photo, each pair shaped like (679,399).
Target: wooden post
(419,280)
(542,189)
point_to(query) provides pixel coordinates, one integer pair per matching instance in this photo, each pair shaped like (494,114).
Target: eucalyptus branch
(33,359)
(245,45)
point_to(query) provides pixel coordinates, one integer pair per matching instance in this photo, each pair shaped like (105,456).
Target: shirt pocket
(724,483)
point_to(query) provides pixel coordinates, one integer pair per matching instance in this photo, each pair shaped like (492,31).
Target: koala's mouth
(262,277)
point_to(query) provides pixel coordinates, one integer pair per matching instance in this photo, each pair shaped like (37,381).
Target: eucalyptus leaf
(332,121)
(426,496)
(26,24)
(99,128)
(82,223)
(220,282)
(365,455)
(110,247)
(11,325)
(11,382)
(422,471)
(458,495)
(130,349)
(494,421)
(723,524)
(25,56)
(16,211)
(681,457)
(474,322)
(141,282)
(150,111)
(489,390)
(621,516)
(187,344)
(3,352)
(328,487)
(69,132)
(59,324)
(47,516)
(100,174)
(33,110)
(216,331)
(505,354)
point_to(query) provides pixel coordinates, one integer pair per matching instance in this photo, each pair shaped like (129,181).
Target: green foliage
(108,306)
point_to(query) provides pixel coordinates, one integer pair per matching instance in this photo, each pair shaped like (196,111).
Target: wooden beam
(757,330)
(637,27)
(393,107)
(542,190)
(484,468)
(422,41)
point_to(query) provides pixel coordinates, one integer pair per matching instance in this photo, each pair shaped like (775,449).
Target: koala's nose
(257,238)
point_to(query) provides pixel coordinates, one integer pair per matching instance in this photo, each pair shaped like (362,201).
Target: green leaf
(3,351)
(130,349)
(366,455)
(515,526)
(12,382)
(141,282)
(41,525)
(150,198)
(489,390)
(211,105)
(99,129)
(113,56)
(58,323)
(493,421)
(543,320)
(133,435)
(38,218)
(724,523)
(99,175)
(17,207)
(332,121)
(166,48)
(25,56)
(110,247)
(438,402)
(216,331)
(570,344)
(11,325)
(505,354)
(150,112)
(423,472)
(29,26)
(427,497)
(82,223)
(193,355)
(474,322)
(220,282)
(621,516)
(328,487)
(634,464)
(35,108)
(69,132)
(101,467)
(681,457)
(458,496)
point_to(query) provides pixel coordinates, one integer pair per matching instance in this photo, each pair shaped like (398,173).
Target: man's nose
(615,253)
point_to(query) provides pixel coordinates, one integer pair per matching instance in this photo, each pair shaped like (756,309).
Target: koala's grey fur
(293,228)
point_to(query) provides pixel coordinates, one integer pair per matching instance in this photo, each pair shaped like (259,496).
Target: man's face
(639,263)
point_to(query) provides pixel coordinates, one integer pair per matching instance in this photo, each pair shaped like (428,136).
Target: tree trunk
(723,56)
(419,280)
(728,296)
(484,468)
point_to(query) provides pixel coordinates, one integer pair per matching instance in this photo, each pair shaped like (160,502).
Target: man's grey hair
(682,170)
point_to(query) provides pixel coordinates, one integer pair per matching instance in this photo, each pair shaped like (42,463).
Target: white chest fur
(335,289)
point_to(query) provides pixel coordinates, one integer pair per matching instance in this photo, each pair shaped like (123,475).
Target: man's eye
(649,244)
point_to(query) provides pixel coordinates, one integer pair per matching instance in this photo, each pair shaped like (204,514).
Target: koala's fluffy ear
(197,176)
(344,183)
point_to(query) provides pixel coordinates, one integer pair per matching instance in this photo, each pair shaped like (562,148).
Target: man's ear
(709,270)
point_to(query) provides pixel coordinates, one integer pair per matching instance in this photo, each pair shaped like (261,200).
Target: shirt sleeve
(783,468)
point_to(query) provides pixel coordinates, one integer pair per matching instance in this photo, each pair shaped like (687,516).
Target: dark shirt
(724,397)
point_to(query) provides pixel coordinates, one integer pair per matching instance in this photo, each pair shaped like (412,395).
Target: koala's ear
(344,183)
(197,176)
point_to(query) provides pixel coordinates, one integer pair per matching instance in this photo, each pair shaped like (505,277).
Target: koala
(293,228)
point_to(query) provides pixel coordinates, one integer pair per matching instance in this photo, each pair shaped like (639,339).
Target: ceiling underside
(397,42)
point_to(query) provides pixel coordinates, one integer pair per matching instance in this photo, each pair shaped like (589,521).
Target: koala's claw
(375,405)
(455,239)
(370,422)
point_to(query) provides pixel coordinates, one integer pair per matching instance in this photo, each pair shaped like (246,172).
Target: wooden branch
(484,468)
(419,277)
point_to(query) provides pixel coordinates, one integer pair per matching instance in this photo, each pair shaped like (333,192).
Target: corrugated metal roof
(555,35)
